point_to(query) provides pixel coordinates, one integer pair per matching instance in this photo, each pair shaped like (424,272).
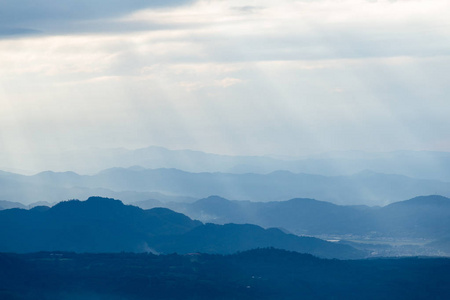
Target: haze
(229,77)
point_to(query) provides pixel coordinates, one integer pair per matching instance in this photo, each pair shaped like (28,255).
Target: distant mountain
(106,225)
(8,204)
(53,187)
(416,164)
(150,203)
(41,203)
(364,188)
(94,160)
(300,215)
(421,217)
(418,217)
(162,184)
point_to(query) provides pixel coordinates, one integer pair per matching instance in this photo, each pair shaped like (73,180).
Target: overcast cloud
(238,77)
(69,16)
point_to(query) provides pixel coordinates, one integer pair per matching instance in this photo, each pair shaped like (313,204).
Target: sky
(284,77)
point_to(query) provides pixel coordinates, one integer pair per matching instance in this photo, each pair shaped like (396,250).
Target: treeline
(255,274)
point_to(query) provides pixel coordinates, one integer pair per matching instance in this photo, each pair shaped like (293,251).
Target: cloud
(48,16)
(227,82)
(299,30)
(9,32)
(248,9)
(289,76)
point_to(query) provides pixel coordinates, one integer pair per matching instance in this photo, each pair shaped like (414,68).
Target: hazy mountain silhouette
(53,187)
(107,225)
(137,184)
(417,164)
(8,204)
(363,188)
(425,216)
(420,217)
(300,215)
(150,203)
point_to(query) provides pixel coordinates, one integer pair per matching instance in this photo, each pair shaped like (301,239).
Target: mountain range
(137,184)
(416,164)
(107,225)
(227,228)
(426,217)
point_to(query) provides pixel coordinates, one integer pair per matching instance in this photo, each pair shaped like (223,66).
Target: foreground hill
(106,225)
(230,238)
(134,184)
(256,274)
(95,225)
(421,217)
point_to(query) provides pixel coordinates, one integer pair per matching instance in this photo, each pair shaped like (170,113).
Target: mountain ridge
(133,184)
(417,164)
(420,217)
(107,225)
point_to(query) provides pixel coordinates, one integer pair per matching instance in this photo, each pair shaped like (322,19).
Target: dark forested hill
(230,238)
(106,225)
(256,274)
(95,225)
